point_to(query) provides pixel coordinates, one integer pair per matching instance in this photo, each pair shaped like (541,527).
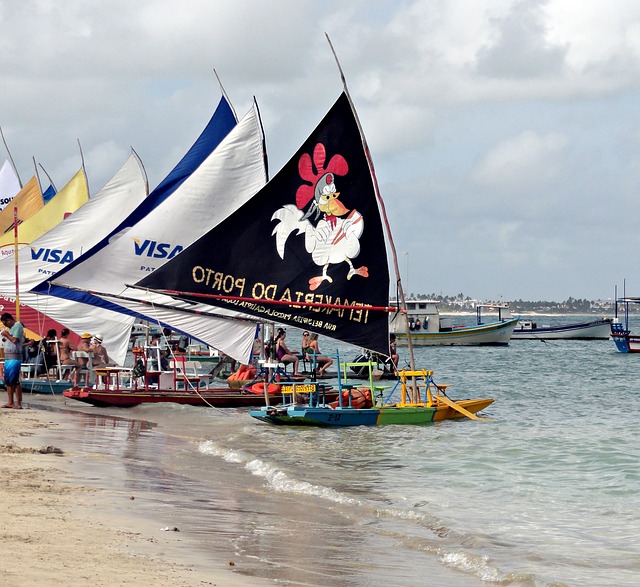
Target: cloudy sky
(505,133)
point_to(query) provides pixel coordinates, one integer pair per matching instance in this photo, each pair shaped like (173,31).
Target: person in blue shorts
(12,338)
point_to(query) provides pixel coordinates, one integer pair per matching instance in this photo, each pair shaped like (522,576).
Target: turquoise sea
(545,494)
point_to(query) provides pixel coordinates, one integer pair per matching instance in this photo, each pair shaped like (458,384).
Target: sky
(505,133)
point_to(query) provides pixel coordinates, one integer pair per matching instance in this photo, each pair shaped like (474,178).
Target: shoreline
(55,529)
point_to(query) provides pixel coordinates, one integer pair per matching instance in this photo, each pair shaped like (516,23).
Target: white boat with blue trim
(591,330)
(428,328)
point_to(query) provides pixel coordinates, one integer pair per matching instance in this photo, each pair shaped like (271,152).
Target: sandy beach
(54,531)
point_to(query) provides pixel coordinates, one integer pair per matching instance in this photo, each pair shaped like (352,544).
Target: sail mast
(15,260)
(383,210)
(48,176)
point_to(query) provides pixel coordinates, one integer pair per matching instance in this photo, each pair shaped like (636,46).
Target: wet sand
(55,529)
(175,495)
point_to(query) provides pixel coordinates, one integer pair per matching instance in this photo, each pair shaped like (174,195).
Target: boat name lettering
(219,281)
(52,255)
(155,249)
(237,286)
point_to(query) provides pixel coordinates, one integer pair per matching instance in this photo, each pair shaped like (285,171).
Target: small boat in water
(422,401)
(428,328)
(593,330)
(625,341)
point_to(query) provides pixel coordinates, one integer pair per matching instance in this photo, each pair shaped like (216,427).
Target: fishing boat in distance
(625,341)
(593,330)
(428,328)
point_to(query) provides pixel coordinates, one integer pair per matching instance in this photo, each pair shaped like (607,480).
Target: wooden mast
(401,298)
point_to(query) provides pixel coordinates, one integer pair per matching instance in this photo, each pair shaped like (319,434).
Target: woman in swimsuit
(283,354)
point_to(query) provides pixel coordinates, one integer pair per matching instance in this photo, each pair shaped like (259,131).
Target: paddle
(444,399)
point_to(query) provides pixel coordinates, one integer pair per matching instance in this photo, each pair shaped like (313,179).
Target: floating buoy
(258,388)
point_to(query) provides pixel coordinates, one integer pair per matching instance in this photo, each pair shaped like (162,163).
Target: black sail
(308,250)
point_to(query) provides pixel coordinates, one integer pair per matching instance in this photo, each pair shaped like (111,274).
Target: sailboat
(308,251)
(154,235)
(56,248)
(9,184)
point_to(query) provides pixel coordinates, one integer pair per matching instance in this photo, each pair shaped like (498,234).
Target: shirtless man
(84,346)
(100,355)
(66,347)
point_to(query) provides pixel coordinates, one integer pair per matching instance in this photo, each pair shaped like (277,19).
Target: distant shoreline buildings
(462,303)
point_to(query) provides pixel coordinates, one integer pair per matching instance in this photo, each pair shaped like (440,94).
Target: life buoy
(258,388)
(360,398)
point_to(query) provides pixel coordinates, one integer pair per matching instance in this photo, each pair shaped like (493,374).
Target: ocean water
(544,494)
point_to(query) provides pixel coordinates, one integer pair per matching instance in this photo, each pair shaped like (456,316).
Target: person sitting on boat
(100,354)
(66,347)
(283,354)
(183,343)
(393,350)
(32,355)
(49,349)
(305,343)
(256,351)
(158,349)
(84,346)
(322,361)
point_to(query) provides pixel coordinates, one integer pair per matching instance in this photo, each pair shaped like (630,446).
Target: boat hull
(626,343)
(595,330)
(322,416)
(44,386)
(218,398)
(494,334)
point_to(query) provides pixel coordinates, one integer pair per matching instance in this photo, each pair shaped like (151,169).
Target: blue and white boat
(626,342)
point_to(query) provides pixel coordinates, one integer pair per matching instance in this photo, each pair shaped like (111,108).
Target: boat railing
(414,384)
(377,390)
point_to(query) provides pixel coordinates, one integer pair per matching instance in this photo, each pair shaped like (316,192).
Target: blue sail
(219,126)
(221,123)
(48,193)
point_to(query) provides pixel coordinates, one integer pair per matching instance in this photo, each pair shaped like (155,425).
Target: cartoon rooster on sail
(335,236)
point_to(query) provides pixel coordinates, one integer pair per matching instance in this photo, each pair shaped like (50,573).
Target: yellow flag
(64,203)
(28,200)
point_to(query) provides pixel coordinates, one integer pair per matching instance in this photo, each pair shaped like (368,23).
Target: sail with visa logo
(58,247)
(236,165)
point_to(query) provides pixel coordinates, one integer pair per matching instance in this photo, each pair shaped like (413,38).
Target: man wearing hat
(84,346)
(100,355)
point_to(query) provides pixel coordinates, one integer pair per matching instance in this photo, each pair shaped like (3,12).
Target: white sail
(65,242)
(228,178)
(9,184)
